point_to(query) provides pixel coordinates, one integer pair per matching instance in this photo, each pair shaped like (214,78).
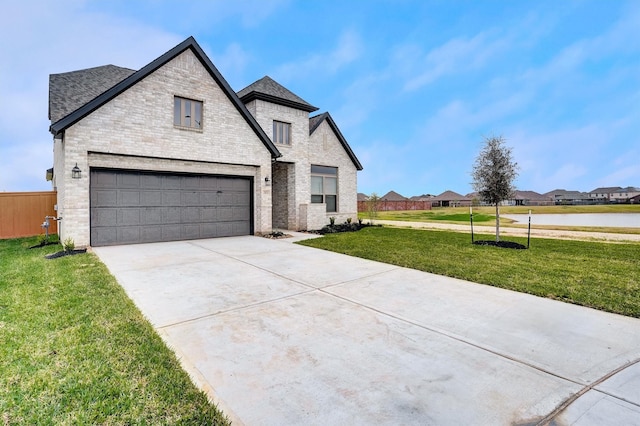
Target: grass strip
(599,275)
(76,350)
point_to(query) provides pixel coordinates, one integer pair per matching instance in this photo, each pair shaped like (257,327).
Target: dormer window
(282,133)
(187,113)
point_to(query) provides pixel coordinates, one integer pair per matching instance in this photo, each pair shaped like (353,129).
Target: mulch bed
(503,244)
(65,253)
(44,243)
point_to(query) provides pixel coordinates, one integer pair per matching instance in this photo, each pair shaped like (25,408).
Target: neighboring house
(393,196)
(603,194)
(623,195)
(423,197)
(529,198)
(171,152)
(635,200)
(362,197)
(450,199)
(564,197)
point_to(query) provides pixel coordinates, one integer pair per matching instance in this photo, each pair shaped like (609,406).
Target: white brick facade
(291,180)
(134,130)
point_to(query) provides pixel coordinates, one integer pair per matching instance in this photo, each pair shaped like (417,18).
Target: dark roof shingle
(269,90)
(70,90)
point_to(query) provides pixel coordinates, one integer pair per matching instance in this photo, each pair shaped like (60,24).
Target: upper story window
(187,113)
(282,133)
(324,186)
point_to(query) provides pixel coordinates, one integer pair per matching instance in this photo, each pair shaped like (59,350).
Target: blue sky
(414,86)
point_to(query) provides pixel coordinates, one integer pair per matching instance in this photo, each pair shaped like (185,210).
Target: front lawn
(75,350)
(604,276)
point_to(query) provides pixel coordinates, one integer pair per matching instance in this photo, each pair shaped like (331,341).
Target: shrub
(68,245)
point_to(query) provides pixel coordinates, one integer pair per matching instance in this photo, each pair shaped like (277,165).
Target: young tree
(494,173)
(373,203)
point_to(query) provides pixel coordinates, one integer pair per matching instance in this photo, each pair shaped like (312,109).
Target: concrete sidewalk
(505,230)
(278,333)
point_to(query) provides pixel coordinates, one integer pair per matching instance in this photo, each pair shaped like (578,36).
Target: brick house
(171,152)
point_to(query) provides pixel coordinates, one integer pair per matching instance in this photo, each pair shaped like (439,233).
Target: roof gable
(316,121)
(269,90)
(190,43)
(393,196)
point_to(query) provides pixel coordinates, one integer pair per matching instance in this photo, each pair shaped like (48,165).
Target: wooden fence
(22,213)
(363,206)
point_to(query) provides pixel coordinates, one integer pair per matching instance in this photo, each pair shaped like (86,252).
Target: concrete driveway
(278,333)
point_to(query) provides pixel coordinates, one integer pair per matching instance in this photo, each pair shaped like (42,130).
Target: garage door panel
(128,217)
(190,232)
(128,197)
(104,217)
(171,182)
(190,198)
(151,216)
(208,214)
(107,236)
(190,215)
(150,198)
(171,215)
(103,179)
(171,198)
(208,198)
(104,197)
(135,207)
(128,234)
(150,234)
(241,228)
(128,180)
(171,232)
(148,181)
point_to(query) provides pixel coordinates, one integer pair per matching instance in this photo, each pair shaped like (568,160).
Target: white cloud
(454,56)
(348,48)
(51,37)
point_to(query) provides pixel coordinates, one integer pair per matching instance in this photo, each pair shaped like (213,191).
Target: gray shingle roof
(605,190)
(393,196)
(269,90)
(70,90)
(449,196)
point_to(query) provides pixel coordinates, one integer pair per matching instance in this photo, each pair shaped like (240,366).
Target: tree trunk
(497,223)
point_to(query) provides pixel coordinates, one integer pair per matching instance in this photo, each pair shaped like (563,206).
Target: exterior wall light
(266,179)
(76,173)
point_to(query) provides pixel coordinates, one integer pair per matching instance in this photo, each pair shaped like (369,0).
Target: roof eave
(277,100)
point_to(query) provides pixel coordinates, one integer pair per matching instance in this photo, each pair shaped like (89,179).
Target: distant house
(623,195)
(564,197)
(393,196)
(603,194)
(635,200)
(423,197)
(530,198)
(450,199)
(362,197)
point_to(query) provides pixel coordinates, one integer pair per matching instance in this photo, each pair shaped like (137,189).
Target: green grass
(75,350)
(600,275)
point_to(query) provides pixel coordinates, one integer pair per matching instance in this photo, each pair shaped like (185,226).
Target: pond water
(613,220)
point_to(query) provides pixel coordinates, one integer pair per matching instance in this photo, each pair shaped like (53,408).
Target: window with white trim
(324,186)
(187,113)
(282,132)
